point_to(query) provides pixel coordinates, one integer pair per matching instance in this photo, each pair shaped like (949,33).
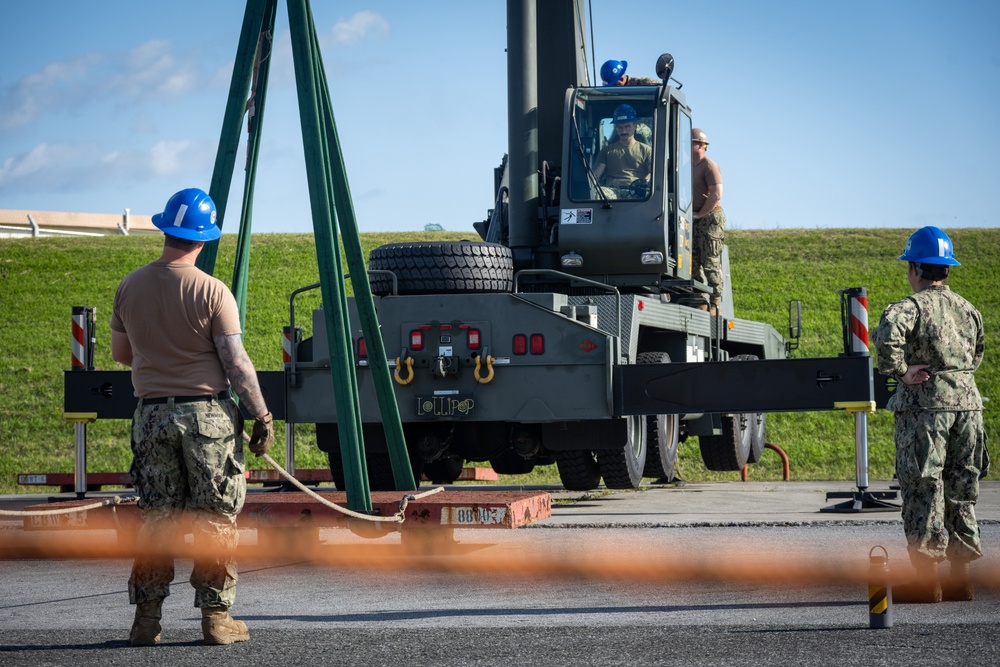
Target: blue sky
(877,113)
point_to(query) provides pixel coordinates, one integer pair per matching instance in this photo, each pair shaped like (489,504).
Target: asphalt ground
(682,504)
(636,606)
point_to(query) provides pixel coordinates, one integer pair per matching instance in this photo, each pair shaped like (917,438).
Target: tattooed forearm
(241,373)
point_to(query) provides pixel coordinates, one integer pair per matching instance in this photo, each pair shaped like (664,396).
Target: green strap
(331,205)
(232,124)
(378,364)
(255,109)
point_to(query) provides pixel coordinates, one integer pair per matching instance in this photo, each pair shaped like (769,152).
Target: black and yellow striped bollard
(879,589)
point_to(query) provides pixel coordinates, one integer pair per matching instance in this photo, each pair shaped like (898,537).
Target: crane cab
(626,208)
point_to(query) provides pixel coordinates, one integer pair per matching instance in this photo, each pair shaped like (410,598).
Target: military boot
(219,627)
(958,586)
(925,587)
(146,626)
(715,307)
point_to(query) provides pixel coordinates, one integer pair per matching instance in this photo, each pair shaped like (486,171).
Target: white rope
(117,500)
(398,517)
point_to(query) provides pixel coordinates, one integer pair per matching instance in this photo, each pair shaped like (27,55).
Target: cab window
(684,188)
(611,154)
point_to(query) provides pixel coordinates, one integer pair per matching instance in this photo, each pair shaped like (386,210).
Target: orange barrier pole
(786,468)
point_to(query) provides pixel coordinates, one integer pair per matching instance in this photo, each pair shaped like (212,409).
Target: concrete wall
(15,223)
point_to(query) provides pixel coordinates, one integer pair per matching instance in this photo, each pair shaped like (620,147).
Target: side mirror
(794,325)
(664,66)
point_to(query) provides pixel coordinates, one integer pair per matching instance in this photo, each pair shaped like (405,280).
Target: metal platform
(311,476)
(447,510)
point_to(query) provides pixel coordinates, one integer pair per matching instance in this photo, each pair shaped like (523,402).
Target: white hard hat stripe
(179,218)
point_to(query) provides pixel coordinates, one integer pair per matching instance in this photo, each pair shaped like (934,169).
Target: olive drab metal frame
(332,208)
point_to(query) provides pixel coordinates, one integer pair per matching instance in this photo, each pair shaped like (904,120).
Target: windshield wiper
(591,177)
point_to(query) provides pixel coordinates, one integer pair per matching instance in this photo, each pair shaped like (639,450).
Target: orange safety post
(786,470)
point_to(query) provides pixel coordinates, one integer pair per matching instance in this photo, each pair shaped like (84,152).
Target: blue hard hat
(624,113)
(929,245)
(612,71)
(190,215)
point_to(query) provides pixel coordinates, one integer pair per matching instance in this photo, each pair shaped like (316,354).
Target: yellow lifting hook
(409,367)
(489,365)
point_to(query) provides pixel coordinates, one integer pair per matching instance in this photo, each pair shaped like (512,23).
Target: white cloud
(56,86)
(31,169)
(222,76)
(168,157)
(347,32)
(70,167)
(152,70)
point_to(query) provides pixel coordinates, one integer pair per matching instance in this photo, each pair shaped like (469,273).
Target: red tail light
(537,344)
(520,344)
(416,339)
(474,340)
(362,349)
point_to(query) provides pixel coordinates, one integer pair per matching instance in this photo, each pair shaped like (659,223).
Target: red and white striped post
(82,360)
(291,337)
(854,312)
(83,338)
(857,328)
(286,345)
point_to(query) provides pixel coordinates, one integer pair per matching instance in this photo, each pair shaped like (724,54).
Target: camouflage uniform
(940,442)
(642,81)
(186,457)
(706,250)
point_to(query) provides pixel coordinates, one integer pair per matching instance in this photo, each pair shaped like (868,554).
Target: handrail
(291,309)
(570,277)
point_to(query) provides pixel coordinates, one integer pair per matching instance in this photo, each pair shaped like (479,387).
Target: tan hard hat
(699,136)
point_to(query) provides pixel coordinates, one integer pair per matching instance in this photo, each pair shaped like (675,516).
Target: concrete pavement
(75,611)
(733,503)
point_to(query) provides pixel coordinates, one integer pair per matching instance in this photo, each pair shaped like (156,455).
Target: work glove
(262,435)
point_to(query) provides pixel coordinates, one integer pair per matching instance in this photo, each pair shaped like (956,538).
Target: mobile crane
(517,349)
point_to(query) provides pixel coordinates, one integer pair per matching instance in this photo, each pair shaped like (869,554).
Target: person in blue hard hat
(178,328)
(625,161)
(932,342)
(613,74)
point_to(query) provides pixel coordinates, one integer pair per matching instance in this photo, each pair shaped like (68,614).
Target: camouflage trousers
(706,250)
(186,457)
(940,457)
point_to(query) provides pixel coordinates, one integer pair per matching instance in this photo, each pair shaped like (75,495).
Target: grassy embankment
(41,279)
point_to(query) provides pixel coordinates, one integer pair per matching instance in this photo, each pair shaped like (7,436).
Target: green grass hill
(42,279)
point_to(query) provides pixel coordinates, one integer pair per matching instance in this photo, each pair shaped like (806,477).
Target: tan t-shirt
(704,175)
(624,164)
(171,312)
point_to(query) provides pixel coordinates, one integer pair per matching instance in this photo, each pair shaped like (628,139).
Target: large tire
(758,435)
(756,421)
(460,267)
(662,444)
(379,472)
(337,470)
(379,464)
(509,462)
(730,450)
(578,470)
(622,467)
(662,433)
(444,470)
